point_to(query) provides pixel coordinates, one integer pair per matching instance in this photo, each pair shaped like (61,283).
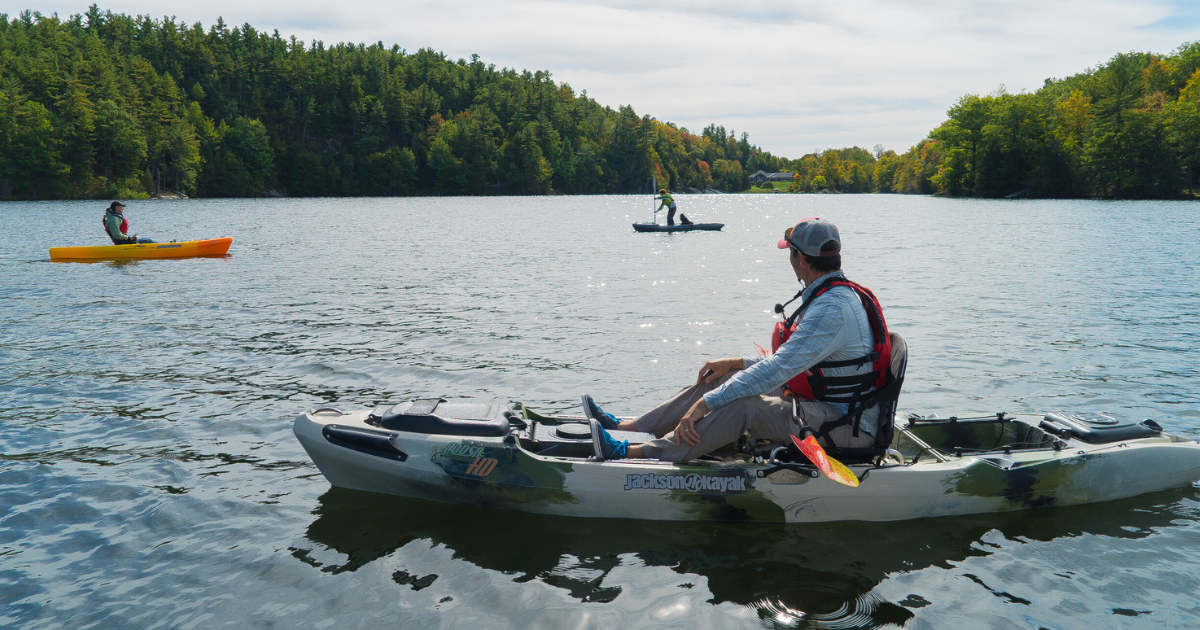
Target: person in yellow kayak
(116,225)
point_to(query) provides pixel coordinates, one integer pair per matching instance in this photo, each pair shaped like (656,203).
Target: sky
(797,75)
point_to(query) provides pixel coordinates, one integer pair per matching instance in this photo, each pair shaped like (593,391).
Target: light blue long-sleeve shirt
(834,328)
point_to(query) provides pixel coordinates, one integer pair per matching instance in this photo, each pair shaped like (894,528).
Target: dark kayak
(654,227)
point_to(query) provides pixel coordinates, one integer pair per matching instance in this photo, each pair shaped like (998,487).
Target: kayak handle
(798,468)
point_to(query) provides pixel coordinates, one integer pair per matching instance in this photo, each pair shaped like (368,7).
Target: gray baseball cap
(809,235)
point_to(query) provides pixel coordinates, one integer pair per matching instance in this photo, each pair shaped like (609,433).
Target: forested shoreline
(108,105)
(103,104)
(1127,129)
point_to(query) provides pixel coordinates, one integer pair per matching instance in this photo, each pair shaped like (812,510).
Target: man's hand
(715,369)
(686,431)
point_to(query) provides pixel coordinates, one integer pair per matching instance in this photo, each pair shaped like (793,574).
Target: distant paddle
(832,468)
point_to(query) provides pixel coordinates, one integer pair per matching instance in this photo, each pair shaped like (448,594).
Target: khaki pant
(768,416)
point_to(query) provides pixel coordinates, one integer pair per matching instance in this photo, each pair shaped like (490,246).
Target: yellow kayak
(185,249)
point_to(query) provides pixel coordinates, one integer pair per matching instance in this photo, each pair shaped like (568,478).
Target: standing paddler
(666,201)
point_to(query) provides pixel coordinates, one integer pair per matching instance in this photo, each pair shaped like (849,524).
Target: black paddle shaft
(805,430)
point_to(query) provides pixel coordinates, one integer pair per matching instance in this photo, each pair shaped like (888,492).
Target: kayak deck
(690,227)
(141,251)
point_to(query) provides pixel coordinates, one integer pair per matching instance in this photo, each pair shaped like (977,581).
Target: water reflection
(820,575)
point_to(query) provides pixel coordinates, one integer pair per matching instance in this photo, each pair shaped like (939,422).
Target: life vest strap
(863,360)
(866,381)
(842,388)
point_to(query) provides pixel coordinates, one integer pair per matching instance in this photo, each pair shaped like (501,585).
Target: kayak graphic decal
(459,451)
(481,467)
(691,483)
(500,477)
(470,460)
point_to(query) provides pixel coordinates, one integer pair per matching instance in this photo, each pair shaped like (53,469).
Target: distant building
(763,176)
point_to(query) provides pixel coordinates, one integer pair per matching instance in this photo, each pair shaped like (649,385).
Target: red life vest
(124,227)
(812,384)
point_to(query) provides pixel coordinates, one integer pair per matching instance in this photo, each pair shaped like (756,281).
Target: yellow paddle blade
(841,474)
(832,468)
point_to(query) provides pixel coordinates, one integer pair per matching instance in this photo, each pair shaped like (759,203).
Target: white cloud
(795,74)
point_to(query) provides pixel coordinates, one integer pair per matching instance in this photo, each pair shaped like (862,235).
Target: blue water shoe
(594,412)
(605,445)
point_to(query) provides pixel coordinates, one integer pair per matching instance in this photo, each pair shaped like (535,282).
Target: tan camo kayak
(506,456)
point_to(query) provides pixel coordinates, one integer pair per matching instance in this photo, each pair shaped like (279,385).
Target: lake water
(149,477)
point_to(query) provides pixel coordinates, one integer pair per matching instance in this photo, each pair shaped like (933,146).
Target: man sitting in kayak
(116,226)
(833,338)
(666,201)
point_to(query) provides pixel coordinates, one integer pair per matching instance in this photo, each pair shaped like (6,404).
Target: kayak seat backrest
(888,400)
(435,416)
(887,406)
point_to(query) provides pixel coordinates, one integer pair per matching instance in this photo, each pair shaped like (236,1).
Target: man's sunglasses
(787,236)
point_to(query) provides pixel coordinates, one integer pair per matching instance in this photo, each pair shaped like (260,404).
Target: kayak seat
(888,399)
(435,416)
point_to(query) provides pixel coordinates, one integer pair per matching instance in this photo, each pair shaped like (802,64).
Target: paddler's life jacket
(851,390)
(117,240)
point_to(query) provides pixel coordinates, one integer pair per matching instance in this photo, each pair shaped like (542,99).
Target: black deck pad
(436,416)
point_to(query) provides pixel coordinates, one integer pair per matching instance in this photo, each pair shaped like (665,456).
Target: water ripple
(149,478)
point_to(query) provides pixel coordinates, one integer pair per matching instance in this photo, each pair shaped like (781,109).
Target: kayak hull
(504,472)
(691,227)
(184,249)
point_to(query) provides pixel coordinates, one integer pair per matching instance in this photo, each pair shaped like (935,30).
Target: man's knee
(666,450)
